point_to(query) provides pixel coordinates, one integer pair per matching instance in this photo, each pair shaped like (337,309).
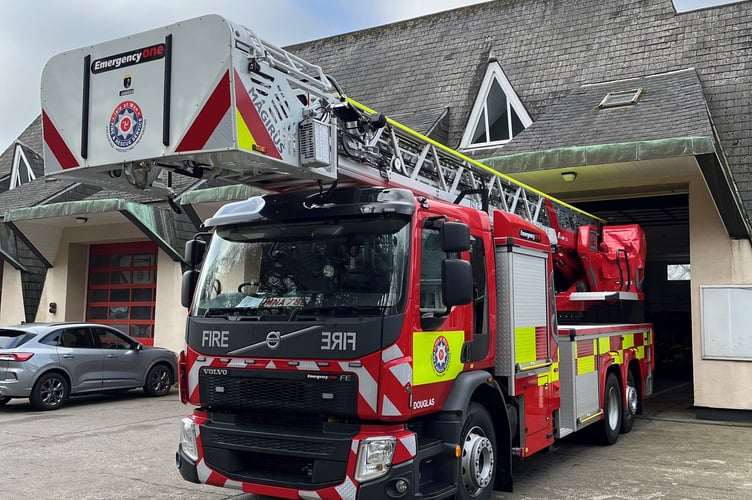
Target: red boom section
(602,265)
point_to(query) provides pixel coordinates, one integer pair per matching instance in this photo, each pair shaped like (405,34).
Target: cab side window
(478,263)
(431,256)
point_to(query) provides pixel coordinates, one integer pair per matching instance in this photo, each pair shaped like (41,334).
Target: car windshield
(351,267)
(11,338)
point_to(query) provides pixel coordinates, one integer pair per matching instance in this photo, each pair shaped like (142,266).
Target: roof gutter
(154,222)
(709,156)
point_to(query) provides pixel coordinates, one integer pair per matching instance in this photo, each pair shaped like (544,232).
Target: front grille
(277,455)
(271,443)
(305,393)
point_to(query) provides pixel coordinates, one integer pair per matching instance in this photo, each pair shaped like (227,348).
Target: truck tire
(49,392)
(478,461)
(608,428)
(630,410)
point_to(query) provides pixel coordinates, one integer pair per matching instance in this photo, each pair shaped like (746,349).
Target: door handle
(68,356)
(111,356)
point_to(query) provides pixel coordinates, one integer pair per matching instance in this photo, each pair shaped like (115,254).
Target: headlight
(188,438)
(374,457)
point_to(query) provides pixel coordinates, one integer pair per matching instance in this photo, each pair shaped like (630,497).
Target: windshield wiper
(213,312)
(352,309)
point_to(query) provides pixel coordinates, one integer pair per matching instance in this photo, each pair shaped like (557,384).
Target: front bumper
(379,489)
(243,459)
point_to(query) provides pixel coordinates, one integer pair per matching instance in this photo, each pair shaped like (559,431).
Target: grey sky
(32,31)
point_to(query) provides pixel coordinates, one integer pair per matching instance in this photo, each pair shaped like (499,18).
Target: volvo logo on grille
(272,339)
(215,371)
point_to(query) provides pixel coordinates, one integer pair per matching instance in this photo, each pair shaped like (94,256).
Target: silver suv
(48,362)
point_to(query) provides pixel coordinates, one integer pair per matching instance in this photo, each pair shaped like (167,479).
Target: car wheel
(49,392)
(4,400)
(158,381)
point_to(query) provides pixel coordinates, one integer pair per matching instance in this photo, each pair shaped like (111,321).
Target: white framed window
(21,172)
(498,114)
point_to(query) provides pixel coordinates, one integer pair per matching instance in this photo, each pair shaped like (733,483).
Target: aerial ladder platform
(207,98)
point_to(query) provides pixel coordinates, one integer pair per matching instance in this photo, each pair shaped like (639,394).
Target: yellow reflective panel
(436,356)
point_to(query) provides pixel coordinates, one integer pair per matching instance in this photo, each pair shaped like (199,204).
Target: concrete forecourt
(122,447)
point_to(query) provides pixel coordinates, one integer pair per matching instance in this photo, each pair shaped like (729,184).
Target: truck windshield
(351,267)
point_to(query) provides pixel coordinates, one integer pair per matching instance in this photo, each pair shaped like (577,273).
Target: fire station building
(628,110)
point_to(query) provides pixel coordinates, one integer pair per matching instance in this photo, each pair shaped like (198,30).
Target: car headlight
(374,457)
(188,438)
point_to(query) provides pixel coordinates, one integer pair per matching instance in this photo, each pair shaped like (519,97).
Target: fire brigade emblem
(440,355)
(126,125)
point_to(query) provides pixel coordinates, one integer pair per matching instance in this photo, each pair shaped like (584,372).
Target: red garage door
(122,287)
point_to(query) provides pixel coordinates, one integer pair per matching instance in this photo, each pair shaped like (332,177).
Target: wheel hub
(477,461)
(632,399)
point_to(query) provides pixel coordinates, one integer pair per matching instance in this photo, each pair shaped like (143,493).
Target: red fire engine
(385,322)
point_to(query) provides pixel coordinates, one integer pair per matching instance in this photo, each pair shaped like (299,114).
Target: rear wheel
(609,427)
(478,461)
(632,397)
(158,381)
(49,392)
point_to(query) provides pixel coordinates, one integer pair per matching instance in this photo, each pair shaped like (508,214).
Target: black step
(436,490)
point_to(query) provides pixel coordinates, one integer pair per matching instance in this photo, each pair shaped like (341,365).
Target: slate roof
(671,105)
(31,139)
(549,49)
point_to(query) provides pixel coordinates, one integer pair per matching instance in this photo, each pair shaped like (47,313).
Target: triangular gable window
(498,114)
(22,172)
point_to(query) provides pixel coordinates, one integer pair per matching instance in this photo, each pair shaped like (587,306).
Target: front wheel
(609,427)
(49,392)
(478,462)
(4,400)
(158,381)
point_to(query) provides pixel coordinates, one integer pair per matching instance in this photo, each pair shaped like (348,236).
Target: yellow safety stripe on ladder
(472,161)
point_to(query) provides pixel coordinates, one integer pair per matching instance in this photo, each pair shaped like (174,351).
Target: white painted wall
(65,282)
(716,260)
(169,315)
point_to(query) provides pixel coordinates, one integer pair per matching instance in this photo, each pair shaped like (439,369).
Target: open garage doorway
(665,220)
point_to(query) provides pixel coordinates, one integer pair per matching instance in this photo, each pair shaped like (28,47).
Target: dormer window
(498,114)
(21,172)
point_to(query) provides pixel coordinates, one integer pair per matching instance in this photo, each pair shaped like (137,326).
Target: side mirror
(455,237)
(194,252)
(188,287)
(456,282)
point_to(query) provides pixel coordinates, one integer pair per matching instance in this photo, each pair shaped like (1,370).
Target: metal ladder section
(402,157)
(416,162)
